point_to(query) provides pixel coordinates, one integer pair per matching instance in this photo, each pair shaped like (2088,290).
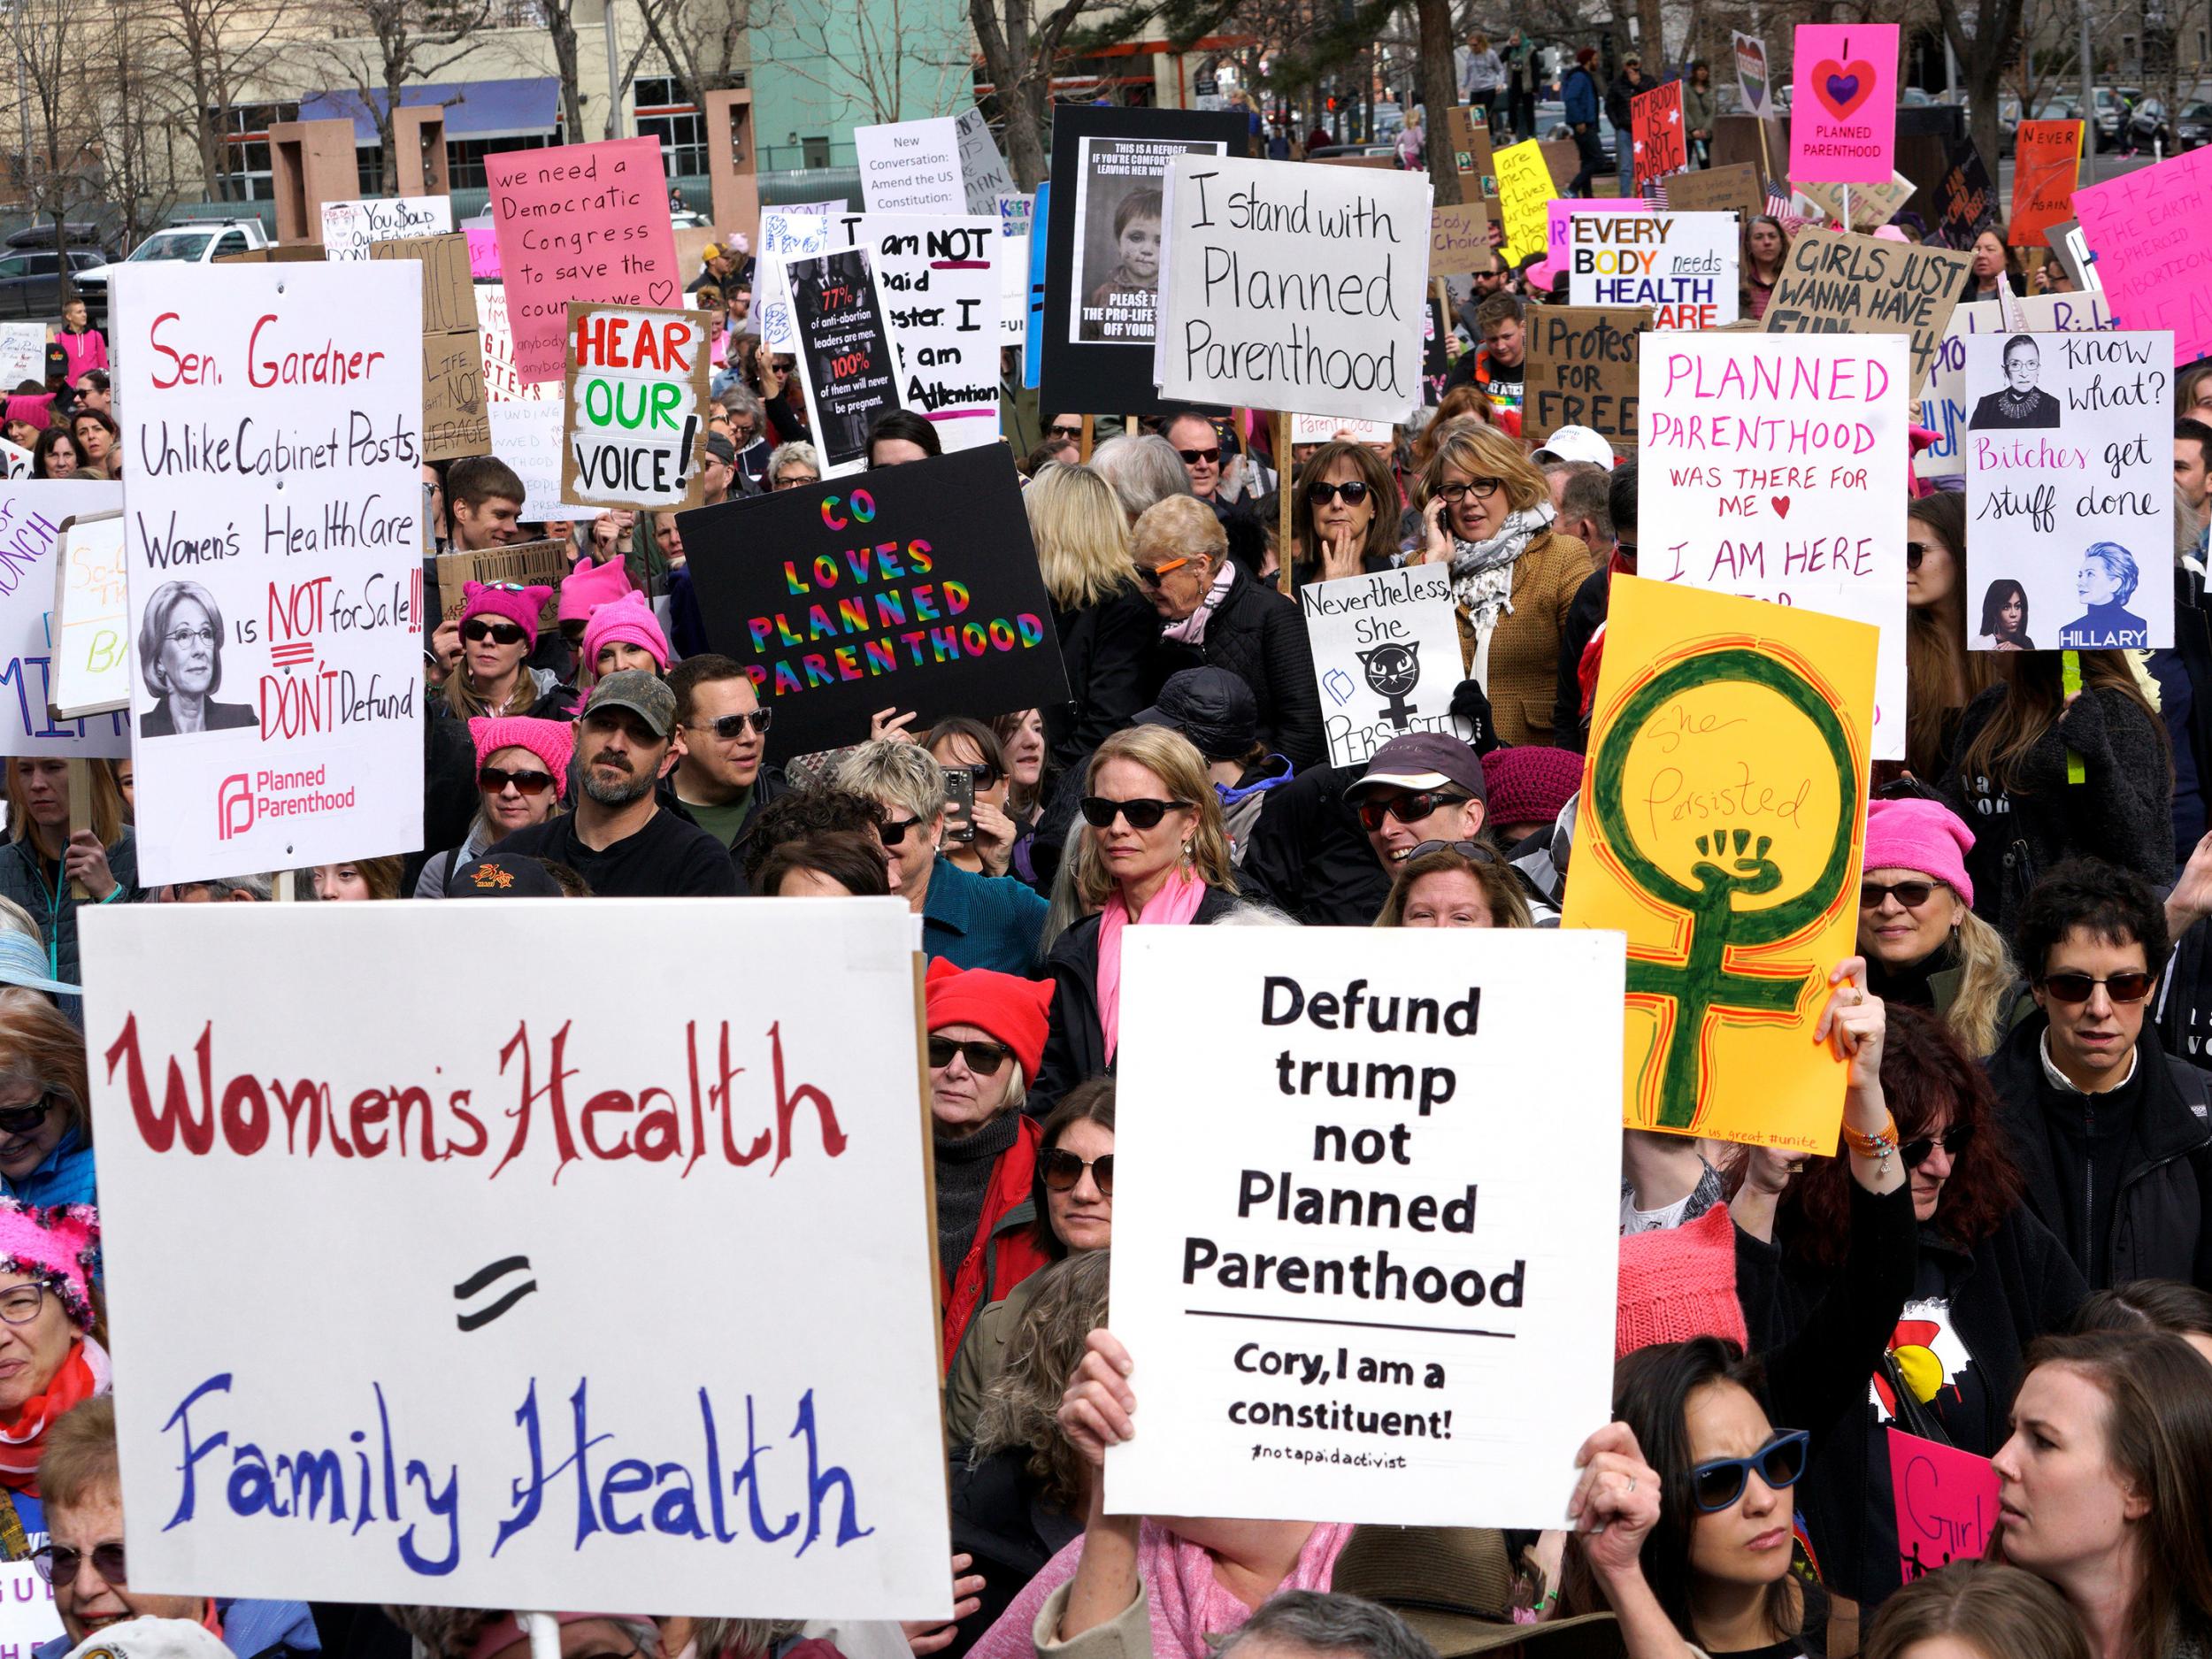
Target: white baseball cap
(1575,443)
(152,1639)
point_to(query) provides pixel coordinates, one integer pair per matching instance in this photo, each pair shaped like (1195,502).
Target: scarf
(1173,905)
(84,1374)
(1191,629)
(1482,571)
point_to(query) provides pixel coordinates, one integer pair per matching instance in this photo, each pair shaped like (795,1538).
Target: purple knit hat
(552,742)
(58,1246)
(629,618)
(519,605)
(1923,835)
(588,587)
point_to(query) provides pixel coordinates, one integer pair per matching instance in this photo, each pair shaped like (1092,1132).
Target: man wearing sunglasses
(2113,1136)
(720,782)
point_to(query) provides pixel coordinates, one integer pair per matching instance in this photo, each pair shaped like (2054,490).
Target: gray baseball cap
(643,694)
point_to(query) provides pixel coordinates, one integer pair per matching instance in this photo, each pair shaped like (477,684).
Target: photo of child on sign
(1117,217)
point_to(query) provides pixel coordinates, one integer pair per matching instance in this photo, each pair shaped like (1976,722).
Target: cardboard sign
(634,431)
(1459,239)
(453,394)
(2149,232)
(1470,151)
(1784,460)
(1722,814)
(1967,197)
(32,648)
(527,563)
(22,354)
(1421,1249)
(1865,205)
(786,234)
(349,227)
(1683,265)
(846,364)
(910,166)
(579,224)
(1839,283)
(1946,1503)
(916,586)
(533,1462)
(502,381)
(1752,80)
(2070,487)
(983,170)
(1662,143)
(528,437)
(1943,407)
(1843,106)
(2045,163)
(942,286)
(1329,428)
(1581,366)
(1730,188)
(1251,317)
(276,555)
(1524,185)
(1385,655)
(92,617)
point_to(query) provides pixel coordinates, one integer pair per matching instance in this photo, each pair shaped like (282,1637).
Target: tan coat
(1523,682)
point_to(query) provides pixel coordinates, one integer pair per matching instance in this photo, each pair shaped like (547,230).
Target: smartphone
(959,805)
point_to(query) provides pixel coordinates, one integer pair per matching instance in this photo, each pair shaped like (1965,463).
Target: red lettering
(245,1117)
(612,1100)
(787,1107)
(159,1130)
(371,1107)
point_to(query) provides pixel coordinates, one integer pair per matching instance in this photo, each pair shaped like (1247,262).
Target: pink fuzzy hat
(517,604)
(55,1246)
(552,742)
(628,618)
(1679,1282)
(1923,835)
(588,587)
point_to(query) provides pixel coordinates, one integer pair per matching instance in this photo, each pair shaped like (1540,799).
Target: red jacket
(1005,1251)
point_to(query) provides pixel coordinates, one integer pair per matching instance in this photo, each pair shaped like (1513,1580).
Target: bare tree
(130,78)
(383,45)
(212,47)
(890,57)
(63,169)
(1021,42)
(1982,42)
(704,42)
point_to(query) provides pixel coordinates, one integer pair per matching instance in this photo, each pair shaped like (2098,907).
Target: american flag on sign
(1777,197)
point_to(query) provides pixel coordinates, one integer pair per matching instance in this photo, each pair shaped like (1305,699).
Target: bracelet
(1880,1145)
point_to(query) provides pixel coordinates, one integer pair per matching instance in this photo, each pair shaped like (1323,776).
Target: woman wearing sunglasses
(964,745)
(1941,675)
(521,779)
(491,678)
(49,1361)
(1454,884)
(1924,946)
(45,1125)
(1345,515)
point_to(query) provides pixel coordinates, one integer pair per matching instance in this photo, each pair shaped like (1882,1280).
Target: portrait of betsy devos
(180,655)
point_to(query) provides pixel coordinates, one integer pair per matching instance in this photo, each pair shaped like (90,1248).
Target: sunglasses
(1955,1140)
(1475,850)
(730,728)
(476,630)
(1321,494)
(58,1563)
(1063,1169)
(1099,812)
(1480,489)
(493,779)
(984,1058)
(1911,895)
(2074,988)
(20,1120)
(985,774)
(1718,1485)
(1407,809)
(1074,432)
(1916,552)
(1152,575)
(1201,458)
(891,833)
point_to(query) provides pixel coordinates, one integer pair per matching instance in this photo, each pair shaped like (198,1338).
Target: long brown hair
(1999,1611)
(1021,1408)
(1941,675)
(39,1046)
(1382,491)
(2035,696)
(106,810)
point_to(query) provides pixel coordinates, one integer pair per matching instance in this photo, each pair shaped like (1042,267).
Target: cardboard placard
(1582,372)
(846,364)
(918,585)
(634,433)
(453,392)
(1967,197)
(1717,718)
(1470,148)
(1839,282)
(2046,165)
(1459,239)
(349,227)
(1843,107)
(1683,265)
(1946,1501)
(2149,232)
(1752,80)
(1386,655)
(1562,159)
(943,282)
(1661,142)
(92,617)
(983,170)
(1943,406)
(32,646)
(1730,188)
(527,437)
(1868,205)
(528,563)
(1524,185)
(910,166)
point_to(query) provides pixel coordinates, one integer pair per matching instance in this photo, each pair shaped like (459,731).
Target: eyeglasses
(1099,812)
(1201,458)
(20,1305)
(744,429)
(984,1058)
(1480,489)
(58,1563)
(494,780)
(1074,431)
(730,728)
(1475,850)
(1955,1140)
(892,833)
(1063,1169)
(1407,809)
(17,1120)
(1911,895)
(1320,494)
(1151,575)
(1916,552)
(2073,988)
(985,774)
(191,636)
(1718,1485)
(476,630)
(796,481)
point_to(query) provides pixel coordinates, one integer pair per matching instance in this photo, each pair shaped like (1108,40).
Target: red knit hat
(1010,1007)
(1530,782)
(1679,1282)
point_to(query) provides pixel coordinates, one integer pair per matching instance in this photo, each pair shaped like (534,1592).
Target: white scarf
(1482,571)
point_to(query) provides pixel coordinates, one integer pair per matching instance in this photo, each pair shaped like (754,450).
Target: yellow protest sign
(1724,809)
(1524,184)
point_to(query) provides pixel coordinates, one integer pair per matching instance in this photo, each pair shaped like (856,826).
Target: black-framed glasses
(1475,850)
(984,1058)
(19,1304)
(1480,489)
(493,779)
(1626,550)
(1201,458)
(58,1563)
(1099,812)
(1152,575)
(20,1120)
(1781,1462)
(476,630)
(985,776)
(1074,431)
(2073,988)
(1319,494)
(1911,895)
(893,831)
(730,728)
(1063,1169)
(1955,1141)
(1407,809)
(1916,552)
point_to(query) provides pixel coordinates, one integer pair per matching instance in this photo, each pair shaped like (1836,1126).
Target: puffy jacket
(1580,93)
(1005,1251)
(1257,633)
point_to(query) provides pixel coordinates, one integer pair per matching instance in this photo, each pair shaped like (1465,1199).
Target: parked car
(74,235)
(30,282)
(194,242)
(1551,122)
(2009,119)
(2193,126)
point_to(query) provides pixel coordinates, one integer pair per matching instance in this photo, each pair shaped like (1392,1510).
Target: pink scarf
(1187,1601)
(1191,629)
(1173,906)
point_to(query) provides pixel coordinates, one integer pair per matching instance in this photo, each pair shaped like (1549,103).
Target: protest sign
(15,460)
(1946,1501)
(453,394)
(634,431)
(1561,212)
(22,354)
(1562,160)
(2045,163)
(2072,247)
(983,171)
(1251,316)
(276,537)
(846,364)
(1471,151)
(1722,819)
(1867,205)
(1751,75)
(1730,188)
(1328,428)
(910,166)
(349,227)
(919,587)
(1839,282)
(1581,366)
(940,276)
(1661,142)
(527,437)
(502,381)
(1459,239)
(1436,361)
(2148,231)
(1843,104)
(92,617)
(533,1462)
(1967,198)
(2070,489)
(27,1616)
(483,251)
(1033,332)
(1359,1249)
(33,647)
(784,234)
(1943,399)
(1017,217)
(1524,185)
(543,564)
(1385,655)
(1784,466)
(579,223)
(1683,265)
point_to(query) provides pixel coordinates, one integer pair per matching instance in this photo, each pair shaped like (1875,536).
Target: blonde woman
(1924,946)
(1107,627)
(1454,884)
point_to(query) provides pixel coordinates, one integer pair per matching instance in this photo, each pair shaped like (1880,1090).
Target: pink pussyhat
(517,604)
(588,587)
(552,742)
(57,1245)
(628,618)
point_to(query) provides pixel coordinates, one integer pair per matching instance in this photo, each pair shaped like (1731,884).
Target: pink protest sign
(483,253)
(1946,1503)
(2151,233)
(583,222)
(1843,112)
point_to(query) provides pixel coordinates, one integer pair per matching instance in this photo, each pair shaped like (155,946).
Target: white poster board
(943,293)
(31,514)
(1328,428)
(527,437)
(92,655)
(910,166)
(277,543)
(1775,468)
(2070,491)
(444,1226)
(1017,218)
(22,354)
(349,227)
(502,381)
(1431,1245)
(1683,265)
(1385,655)
(1289,287)
(786,234)
(28,1615)
(1943,394)
(15,460)
(983,171)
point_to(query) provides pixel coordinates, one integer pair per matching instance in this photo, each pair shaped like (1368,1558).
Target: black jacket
(1307,856)
(2162,1226)
(768,786)
(1001,1519)
(1107,649)
(1258,634)
(1584,618)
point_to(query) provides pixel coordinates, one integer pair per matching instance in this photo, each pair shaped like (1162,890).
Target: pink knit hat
(57,1245)
(629,618)
(588,587)
(1679,1282)
(517,604)
(1923,835)
(552,742)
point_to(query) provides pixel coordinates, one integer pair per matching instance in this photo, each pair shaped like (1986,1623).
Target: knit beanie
(629,618)
(517,604)
(1530,782)
(56,1247)
(587,586)
(552,742)
(1010,1007)
(1923,835)
(1679,1282)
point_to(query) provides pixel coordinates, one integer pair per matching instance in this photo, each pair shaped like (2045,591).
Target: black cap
(720,448)
(1212,707)
(502,876)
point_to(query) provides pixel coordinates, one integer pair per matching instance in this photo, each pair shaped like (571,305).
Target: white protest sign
(1290,287)
(349,227)
(22,354)
(503,383)
(1777,465)
(1385,655)
(15,460)
(982,169)
(786,234)
(528,437)
(272,414)
(32,511)
(1348,1266)
(1943,394)
(1328,428)
(28,1616)
(1683,265)
(942,294)
(2070,491)
(1017,217)
(910,166)
(92,658)
(450,1422)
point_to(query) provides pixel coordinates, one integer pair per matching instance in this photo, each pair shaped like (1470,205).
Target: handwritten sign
(1662,143)
(1837,282)
(846,364)
(1944,407)
(1751,74)
(1524,185)
(1967,197)
(502,381)
(1946,1503)
(543,564)
(1328,428)
(983,171)
(911,166)
(634,429)
(349,227)
(92,617)
(16,461)
(453,394)
(2148,232)
(1683,265)
(1459,239)
(1843,106)
(1730,188)
(22,354)
(1864,205)
(483,251)
(943,287)
(786,234)
(28,1619)
(32,513)
(528,437)
(1385,655)
(1582,372)
(2045,163)
(1720,828)
(583,223)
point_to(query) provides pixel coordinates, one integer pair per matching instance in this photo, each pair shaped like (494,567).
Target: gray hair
(15,920)
(901,774)
(1142,471)
(783,454)
(153,631)
(1249,914)
(261,886)
(740,399)
(1589,494)
(1322,1621)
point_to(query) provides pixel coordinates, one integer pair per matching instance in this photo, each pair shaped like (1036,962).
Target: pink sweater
(87,350)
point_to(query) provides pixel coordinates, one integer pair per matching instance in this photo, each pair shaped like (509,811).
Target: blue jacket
(64,1177)
(1580,92)
(249,1629)
(982,921)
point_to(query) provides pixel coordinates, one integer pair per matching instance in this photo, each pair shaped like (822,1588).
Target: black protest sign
(1967,195)
(1583,370)
(912,586)
(846,367)
(1436,359)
